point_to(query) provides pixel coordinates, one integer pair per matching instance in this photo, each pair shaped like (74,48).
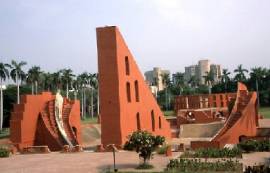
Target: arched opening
(138,121)
(159,122)
(153,120)
(128,92)
(127,65)
(137,91)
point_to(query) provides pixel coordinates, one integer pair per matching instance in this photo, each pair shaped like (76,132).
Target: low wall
(200,130)
(203,144)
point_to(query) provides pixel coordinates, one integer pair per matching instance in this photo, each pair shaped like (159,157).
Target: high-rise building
(216,70)
(201,69)
(190,71)
(204,67)
(155,77)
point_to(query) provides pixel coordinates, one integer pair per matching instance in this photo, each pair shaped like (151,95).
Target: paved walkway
(84,162)
(90,162)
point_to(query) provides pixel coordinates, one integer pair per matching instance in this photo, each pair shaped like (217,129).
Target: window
(127,65)
(137,91)
(138,121)
(153,120)
(159,122)
(128,92)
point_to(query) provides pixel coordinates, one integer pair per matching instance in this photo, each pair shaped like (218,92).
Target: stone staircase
(48,118)
(242,102)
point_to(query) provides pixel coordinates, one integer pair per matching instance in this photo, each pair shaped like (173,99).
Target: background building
(155,77)
(201,69)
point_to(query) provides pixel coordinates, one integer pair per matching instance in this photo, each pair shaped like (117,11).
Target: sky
(171,34)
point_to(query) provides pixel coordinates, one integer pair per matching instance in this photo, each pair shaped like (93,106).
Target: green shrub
(257,168)
(196,165)
(162,149)
(213,153)
(253,145)
(4,152)
(143,143)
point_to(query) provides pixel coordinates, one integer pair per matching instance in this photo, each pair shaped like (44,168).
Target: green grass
(89,120)
(4,133)
(169,113)
(265,111)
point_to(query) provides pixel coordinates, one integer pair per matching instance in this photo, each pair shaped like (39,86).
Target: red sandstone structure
(33,122)
(203,108)
(242,121)
(126,103)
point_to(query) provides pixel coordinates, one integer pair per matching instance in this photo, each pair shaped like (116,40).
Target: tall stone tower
(126,103)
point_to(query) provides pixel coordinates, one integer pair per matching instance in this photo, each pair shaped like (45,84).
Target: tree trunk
(18,88)
(67,90)
(92,100)
(82,103)
(32,88)
(1,106)
(36,87)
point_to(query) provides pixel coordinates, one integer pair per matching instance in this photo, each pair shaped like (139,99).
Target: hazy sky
(171,34)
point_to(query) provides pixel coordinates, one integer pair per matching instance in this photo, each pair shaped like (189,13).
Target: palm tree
(258,74)
(82,80)
(240,73)
(47,81)
(67,78)
(193,81)
(166,82)
(93,85)
(33,77)
(17,74)
(4,74)
(225,78)
(56,80)
(209,79)
(179,80)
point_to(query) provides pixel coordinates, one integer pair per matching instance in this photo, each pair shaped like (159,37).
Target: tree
(143,143)
(193,82)
(56,80)
(33,77)
(82,80)
(209,79)
(93,86)
(257,76)
(17,75)
(167,83)
(225,78)
(67,78)
(47,81)
(4,74)
(179,81)
(240,74)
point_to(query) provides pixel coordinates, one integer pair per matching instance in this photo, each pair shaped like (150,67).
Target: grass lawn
(265,111)
(4,133)
(90,120)
(169,113)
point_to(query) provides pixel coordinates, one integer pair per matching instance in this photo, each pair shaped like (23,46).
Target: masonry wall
(126,103)
(27,129)
(23,123)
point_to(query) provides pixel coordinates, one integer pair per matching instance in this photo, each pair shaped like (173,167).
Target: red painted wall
(118,75)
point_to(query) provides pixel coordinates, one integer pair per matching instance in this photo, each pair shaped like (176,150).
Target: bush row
(4,152)
(213,153)
(253,145)
(196,165)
